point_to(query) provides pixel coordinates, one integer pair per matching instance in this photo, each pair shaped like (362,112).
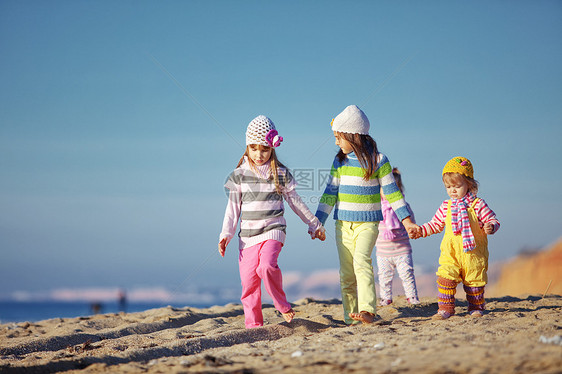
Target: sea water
(32,311)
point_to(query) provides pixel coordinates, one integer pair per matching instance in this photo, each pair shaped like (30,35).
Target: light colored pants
(355,241)
(405,267)
(258,263)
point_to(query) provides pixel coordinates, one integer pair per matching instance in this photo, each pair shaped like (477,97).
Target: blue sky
(119,122)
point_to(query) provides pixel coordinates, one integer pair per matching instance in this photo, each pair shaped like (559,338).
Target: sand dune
(171,340)
(535,272)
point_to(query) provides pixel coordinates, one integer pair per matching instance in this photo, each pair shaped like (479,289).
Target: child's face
(456,188)
(259,154)
(344,145)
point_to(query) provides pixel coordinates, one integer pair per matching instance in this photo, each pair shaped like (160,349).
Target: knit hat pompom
(461,165)
(261,131)
(352,120)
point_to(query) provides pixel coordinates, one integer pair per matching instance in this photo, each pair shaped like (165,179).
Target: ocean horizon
(33,311)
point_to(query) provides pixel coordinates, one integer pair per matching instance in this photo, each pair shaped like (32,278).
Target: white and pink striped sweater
(252,198)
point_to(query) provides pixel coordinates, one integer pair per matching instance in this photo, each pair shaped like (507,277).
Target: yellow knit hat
(461,165)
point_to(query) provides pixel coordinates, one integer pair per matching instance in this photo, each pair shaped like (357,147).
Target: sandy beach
(516,335)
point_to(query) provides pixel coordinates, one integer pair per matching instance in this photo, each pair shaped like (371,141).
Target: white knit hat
(261,131)
(352,120)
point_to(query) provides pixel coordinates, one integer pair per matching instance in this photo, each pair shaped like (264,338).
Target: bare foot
(475,314)
(363,316)
(441,315)
(289,315)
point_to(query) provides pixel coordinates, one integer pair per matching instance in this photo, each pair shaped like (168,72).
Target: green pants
(355,241)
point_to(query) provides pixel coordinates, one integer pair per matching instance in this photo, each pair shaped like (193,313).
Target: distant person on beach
(256,189)
(122,301)
(357,175)
(394,252)
(467,220)
(96,307)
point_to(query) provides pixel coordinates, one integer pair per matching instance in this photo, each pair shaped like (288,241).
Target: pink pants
(256,263)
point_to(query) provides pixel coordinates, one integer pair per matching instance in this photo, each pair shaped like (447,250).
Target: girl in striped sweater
(256,189)
(358,173)
(467,220)
(394,252)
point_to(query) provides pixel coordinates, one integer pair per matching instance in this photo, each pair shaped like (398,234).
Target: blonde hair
(274,163)
(456,177)
(365,148)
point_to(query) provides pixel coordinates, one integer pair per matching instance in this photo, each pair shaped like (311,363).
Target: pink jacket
(391,228)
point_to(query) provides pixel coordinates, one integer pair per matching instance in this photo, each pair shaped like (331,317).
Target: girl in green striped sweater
(358,173)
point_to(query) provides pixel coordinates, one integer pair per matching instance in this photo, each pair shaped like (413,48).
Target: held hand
(415,233)
(222,246)
(412,228)
(408,224)
(320,234)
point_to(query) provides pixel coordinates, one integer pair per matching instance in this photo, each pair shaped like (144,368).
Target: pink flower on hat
(273,139)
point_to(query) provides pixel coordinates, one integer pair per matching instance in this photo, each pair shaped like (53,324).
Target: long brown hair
(365,148)
(398,179)
(274,164)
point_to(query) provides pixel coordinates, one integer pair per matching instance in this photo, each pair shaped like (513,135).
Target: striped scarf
(460,221)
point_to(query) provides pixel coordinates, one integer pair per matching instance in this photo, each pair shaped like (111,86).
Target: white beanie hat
(261,131)
(352,120)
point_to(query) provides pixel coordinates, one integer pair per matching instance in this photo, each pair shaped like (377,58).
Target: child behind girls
(394,252)
(358,173)
(467,221)
(256,190)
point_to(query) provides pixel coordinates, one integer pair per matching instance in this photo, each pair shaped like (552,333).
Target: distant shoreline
(34,311)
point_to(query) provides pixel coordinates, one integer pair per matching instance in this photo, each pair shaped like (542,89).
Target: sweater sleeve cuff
(402,213)
(322,216)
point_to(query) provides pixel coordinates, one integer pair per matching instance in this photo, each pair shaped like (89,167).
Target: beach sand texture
(514,336)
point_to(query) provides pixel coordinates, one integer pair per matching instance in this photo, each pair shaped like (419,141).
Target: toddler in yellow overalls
(467,221)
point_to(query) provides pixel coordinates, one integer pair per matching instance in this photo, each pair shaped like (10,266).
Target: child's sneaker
(413,300)
(441,314)
(385,302)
